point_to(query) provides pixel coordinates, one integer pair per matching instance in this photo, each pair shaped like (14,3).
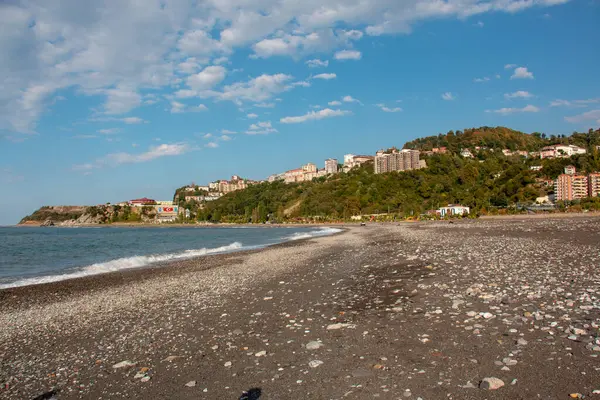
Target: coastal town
(568,186)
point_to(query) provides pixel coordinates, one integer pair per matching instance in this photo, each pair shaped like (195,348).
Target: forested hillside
(501,138)
(494,182)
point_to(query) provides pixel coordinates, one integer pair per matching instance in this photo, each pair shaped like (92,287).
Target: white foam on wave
(122,264)
(315,233)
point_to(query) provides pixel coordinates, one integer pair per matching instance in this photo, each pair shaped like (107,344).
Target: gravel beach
(474,309)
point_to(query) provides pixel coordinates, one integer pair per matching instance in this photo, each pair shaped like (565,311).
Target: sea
(33,255)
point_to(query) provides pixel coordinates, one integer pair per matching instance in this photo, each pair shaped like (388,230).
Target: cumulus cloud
(348,55)
(325,76)
(334,103)
(592,116)
(384,108)
(251,116)
(316,63)
(314,115)
(507,111)
(178,108)
(132,120)
(480,80)
(518,94)
(257,90)
(573,103)
(510,66)
(116,159)
(120,50)
(448,96)
(350,99)
(521,73)
(261,128)
(211,145)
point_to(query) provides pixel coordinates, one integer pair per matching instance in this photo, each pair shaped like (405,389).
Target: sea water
(31,256)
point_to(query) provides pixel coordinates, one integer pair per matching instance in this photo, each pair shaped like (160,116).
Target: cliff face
(56,214)
(87,215)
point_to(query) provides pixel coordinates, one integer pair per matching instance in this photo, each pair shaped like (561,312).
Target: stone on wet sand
(491,383)
(123,364)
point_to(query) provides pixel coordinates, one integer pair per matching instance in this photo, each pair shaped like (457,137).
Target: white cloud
(207,136)
(316,63)
(350,99)
(261,128)
(592,116)
(507,111)
(225,138)
(85,136)
(510,66)
(334,103)
(348,55)
(573,103)
(521,73)
(116,159)
(314,115)
(110,131)
(121,49)
(518,94)
(480,80)
(207,78)
(227,132)
(384,108)
(121,100)
(132,120)
(178,108)
(256,90)
(448,96)
(264,105)
(211,145)
(252,116)
(325,76)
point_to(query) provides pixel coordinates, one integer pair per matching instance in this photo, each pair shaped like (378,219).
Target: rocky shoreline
(478,309)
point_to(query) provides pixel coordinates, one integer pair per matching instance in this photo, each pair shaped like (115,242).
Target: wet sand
(419,310)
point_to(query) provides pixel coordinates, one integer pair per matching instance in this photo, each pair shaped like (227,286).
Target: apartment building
(571,187)
(331,166)
(236,183)
(403,160)
(594,185)
(351,160)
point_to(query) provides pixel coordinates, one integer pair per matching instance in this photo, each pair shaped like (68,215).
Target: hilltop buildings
(404,160)
(351,161)
(331,166)
(561,151)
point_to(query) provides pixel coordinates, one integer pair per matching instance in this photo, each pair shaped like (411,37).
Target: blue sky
(137,98)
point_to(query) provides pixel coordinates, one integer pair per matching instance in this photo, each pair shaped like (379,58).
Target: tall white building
(331,166)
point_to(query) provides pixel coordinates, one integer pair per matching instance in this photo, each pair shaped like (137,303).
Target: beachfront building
(453,209)
(561,151)
(403,160)
(594,185)
(571,187)
(331,166)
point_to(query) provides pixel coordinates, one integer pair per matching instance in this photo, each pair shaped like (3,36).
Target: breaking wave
(315,233)
(124,263)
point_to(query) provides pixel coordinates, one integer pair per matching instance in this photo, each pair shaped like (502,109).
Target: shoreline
(390,311)
(128,275)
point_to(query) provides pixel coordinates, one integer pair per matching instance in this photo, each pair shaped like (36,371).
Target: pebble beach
(473,309)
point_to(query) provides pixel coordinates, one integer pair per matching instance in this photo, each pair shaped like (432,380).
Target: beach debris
(491,383)
(261,353)
(191,384)
(314,345)
(333,327)
(124,364)
(172,358)
(315,363)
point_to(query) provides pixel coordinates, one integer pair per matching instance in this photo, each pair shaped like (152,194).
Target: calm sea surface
(38,255)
